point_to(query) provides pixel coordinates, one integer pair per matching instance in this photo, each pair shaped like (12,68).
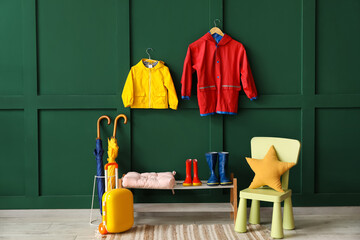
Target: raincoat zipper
(149,88)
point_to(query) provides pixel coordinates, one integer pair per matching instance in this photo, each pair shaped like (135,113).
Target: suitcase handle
(116,175)
(110,164)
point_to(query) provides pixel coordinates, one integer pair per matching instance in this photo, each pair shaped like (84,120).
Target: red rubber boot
(188,181)
(196,181)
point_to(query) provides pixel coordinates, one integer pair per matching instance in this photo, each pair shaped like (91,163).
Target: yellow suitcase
(118,208)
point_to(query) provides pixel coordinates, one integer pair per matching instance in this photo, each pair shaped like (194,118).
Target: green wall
(63,63)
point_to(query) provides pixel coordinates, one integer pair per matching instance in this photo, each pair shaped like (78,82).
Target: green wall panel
(163,139)
(251,123)
(337,46)
(337,162)
(11,55)
(63,64)
(12,177)
(173,25)
(270,32)
(67,141)
(78,44)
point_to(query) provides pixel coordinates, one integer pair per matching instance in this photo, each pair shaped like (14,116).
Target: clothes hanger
(216,29)
(148,52)
(149,63)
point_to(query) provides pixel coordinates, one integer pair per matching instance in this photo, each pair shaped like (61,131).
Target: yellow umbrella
(112,152)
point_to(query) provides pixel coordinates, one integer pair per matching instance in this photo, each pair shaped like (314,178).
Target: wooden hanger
(216,29)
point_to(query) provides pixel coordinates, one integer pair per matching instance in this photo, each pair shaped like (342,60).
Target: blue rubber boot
(223,162)
(211,158)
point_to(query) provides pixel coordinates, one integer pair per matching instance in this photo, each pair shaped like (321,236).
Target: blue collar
(217,37)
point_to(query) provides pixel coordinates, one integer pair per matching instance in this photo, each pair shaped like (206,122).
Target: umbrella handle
(115,122)
(98,124)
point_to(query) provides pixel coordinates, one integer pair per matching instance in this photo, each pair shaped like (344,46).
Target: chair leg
(276,225)
(240,224)
(288,215)
(254,217)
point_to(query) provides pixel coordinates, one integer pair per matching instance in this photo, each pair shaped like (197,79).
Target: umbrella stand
(113,149)
(92,199)
(98,152)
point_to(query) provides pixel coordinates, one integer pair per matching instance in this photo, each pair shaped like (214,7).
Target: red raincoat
(219,67)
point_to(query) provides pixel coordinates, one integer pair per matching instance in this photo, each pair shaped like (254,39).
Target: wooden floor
(340,223)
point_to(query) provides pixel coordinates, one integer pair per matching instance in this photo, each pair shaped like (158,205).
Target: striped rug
(188,232)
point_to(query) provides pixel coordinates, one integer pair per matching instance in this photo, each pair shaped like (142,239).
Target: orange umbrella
(112,152)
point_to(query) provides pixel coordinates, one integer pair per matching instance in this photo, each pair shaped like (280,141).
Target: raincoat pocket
(207,98)
(207,88)
(140,98)
(160,98)
(231,87)
(230,94)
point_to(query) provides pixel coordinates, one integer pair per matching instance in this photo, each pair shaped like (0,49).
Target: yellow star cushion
(268,170)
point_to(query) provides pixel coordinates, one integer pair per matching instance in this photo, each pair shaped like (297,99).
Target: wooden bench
(230,206)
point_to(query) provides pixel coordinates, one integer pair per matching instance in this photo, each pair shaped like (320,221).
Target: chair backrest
(287,151)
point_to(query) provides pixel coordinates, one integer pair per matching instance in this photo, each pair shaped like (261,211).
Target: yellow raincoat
(149,85)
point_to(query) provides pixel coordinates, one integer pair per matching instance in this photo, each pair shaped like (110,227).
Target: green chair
(287,151)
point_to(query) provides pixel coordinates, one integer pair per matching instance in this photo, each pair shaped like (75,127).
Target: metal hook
(148,52)
(98,124)
(216,20)
(115,122)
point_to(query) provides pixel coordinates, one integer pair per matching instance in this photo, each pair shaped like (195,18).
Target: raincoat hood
(157,64)
(224,40)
